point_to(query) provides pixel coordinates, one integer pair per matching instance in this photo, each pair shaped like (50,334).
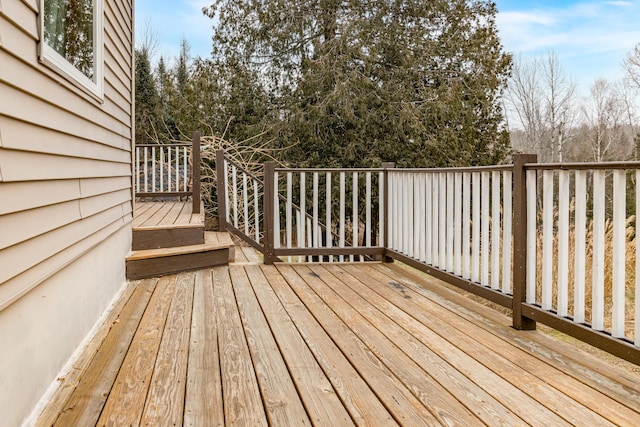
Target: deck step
(217,249)
(167,236)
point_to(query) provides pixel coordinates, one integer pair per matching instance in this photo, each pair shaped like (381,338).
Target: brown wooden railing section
(500,232)
(168,170)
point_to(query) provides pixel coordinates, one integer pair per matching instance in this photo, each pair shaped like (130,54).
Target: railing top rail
(583,166)
(454,169)
(324,170)
(165,145)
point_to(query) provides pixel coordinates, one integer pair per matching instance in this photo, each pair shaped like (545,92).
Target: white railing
(555,243)
(331,215)
(456,220)
(583,263)
(162,169)
(242,201)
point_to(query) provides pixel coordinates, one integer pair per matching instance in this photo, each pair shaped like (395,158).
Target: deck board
(319,344)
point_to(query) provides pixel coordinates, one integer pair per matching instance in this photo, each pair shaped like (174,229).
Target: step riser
(140,269)
(167,238)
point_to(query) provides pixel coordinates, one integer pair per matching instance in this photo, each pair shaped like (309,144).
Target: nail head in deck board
(361,402)
(434,397)
(89,397)
(561,394)
(582,366)
(203,401)
(165,400)
(241,393)
(127,398)
(399,329)
(73,377)
(280,398)
(317,394)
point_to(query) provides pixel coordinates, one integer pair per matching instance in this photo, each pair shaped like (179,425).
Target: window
(72,40)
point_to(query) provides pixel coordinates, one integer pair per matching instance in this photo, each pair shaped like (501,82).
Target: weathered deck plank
(303,344)
(240,389)
(319,398)
(88,399)
(280,398)
(203,401)
(129,393)
(165,401)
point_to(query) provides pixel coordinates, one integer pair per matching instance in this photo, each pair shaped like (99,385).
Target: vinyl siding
(54,135)
(65,200)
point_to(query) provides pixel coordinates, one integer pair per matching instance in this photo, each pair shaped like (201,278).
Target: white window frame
(59,63)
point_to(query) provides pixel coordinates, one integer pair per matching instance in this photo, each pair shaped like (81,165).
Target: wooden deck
(328,345)
(167,214)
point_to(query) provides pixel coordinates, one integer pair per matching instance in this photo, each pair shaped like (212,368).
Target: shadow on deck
(327,345)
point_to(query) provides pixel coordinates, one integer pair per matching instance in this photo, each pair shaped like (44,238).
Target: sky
(590,37)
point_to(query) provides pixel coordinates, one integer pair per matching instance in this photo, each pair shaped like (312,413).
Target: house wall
(65,201)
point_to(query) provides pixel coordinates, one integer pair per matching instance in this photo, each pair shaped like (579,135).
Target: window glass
(72,39)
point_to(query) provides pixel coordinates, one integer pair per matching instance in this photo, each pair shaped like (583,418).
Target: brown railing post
(268,208)
(520,240)
(221,187)
(195,177)
(385,224)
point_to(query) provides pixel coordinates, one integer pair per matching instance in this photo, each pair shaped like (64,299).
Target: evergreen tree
(360,82)
(147,100)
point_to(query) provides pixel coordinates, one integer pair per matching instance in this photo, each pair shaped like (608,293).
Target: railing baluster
(185,168)
(475,241)
(309,237)
(442,221)
(342,213)
(495,230)
(138,170)
(547,239)
(245,203)
(457,222)
(619,258)
(597,293)
(303,213)
(234,189)
(563,243)
(316,234)
(328,230)
(507,229)
(355,222)
(146,170)
(428,195)
(417,220)
(435,203)
(381,213)
(367,196)
(256,211)
(406,217)
(466,225)
(532,236)
(450,222)
(153,169)
(485,213)
(580,231)
(423,216)
(169,166)
(161,148)
(289,225)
